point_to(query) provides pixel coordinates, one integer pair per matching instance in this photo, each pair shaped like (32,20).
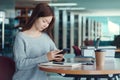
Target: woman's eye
(44,21)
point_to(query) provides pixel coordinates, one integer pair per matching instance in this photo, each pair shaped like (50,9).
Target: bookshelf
(22,15)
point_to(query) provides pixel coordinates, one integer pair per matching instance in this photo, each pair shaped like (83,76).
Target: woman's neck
(33,33)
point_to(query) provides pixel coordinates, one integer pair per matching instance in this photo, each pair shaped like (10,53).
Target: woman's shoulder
(20,35)
(45,35)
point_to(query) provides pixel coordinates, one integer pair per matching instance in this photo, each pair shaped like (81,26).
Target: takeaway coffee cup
(100,57)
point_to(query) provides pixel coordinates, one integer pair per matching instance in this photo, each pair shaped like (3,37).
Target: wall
(9,7)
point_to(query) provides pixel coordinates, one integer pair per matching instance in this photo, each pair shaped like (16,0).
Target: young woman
(34,45)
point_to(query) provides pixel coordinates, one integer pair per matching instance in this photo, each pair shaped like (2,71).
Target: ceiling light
(63,4)
(70,8)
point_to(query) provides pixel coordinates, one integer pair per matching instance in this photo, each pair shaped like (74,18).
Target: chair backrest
(7,68)
(77,51)
(88,42)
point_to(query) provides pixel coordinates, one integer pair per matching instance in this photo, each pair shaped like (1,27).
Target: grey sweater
(28,53)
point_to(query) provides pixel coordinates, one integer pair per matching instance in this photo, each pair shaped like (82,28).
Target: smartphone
(64,51)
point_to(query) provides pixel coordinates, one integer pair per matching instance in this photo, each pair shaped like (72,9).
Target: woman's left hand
(53,55)
(59,57)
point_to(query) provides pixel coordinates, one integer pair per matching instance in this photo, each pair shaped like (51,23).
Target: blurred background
(76,22)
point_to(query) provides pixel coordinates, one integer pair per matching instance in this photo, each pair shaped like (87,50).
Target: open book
(62,65)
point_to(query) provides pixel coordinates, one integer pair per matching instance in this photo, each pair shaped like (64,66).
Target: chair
(7,68)
(88,42)
(77,51)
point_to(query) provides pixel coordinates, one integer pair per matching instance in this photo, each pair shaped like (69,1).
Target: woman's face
(43,22)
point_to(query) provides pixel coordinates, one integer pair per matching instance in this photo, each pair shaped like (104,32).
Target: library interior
(82,26)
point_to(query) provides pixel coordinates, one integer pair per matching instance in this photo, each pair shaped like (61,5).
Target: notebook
(65,64)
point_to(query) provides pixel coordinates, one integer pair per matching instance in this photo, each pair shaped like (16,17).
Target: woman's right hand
(53,55)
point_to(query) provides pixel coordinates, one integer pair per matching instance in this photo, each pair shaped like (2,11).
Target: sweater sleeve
(21,60)
(53,46)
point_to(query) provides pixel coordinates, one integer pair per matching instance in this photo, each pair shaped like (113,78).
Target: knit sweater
(28,53)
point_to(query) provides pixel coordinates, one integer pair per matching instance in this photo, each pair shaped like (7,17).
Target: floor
(65,78)
(54,76)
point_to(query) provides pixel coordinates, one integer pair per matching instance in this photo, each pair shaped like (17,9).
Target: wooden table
(110,69)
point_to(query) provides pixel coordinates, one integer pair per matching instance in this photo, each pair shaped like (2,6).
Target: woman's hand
(53,55)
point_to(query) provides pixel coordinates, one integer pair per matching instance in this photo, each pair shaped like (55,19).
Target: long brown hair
(41,10)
